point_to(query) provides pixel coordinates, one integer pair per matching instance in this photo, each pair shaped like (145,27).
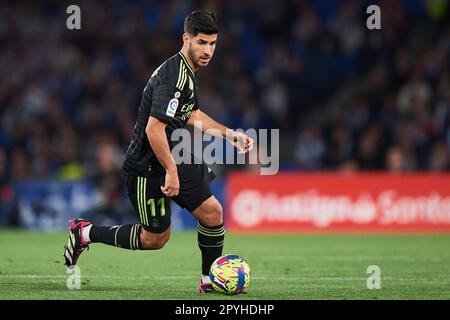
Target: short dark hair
(200,21)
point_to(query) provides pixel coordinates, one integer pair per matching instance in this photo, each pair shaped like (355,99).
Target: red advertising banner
(302,202)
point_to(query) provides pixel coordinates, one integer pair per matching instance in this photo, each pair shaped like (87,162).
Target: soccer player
(169,101)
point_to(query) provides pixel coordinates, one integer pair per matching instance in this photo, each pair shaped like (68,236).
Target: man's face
(201,48)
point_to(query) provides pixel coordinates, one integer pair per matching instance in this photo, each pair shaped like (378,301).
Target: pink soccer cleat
(76,243)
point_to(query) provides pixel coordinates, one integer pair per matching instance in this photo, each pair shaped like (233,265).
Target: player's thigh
(151,205)
(194,185)
(209,213)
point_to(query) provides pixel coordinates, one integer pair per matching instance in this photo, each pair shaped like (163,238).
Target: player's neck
(188,59)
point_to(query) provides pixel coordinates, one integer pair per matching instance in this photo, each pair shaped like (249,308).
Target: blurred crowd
(344,97)
(386,93)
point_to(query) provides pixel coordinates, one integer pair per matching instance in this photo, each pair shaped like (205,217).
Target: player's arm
(202,121)
(162,94)
(156,134)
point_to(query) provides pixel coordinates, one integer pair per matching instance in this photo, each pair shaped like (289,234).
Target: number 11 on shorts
(160,202)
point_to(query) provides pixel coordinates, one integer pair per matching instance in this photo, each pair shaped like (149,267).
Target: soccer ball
(229,274)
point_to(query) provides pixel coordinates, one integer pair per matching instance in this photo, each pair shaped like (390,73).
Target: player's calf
(128,236)
(125,236)
(211,236)
(154,241)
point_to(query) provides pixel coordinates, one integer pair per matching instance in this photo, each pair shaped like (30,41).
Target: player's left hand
(241,141)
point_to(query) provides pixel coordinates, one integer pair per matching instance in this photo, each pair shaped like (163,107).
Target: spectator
(395,160)
(293,61)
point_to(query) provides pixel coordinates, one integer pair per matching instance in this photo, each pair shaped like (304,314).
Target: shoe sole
(69,250)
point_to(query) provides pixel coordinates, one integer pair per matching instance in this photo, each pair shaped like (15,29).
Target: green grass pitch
(283,267)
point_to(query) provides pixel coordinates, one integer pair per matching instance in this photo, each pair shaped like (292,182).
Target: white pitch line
(264,278)
(353,258)
(46,276)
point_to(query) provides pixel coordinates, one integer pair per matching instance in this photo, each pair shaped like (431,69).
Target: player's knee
(212,215)
(154,241)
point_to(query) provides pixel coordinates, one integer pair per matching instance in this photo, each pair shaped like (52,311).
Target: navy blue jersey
(171,94)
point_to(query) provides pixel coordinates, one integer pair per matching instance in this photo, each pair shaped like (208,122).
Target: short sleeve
(164,102)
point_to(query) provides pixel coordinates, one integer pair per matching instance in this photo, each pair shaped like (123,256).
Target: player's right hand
(171,186)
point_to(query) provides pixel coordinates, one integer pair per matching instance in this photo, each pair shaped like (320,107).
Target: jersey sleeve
(164,102)
(196,93)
